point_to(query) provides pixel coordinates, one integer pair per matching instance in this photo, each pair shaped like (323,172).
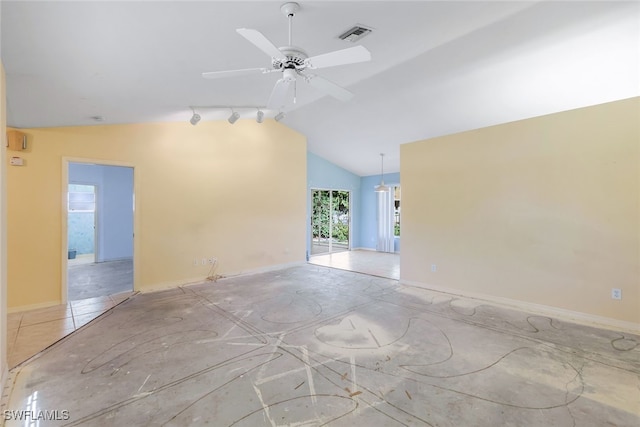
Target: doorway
(330,221)
(81,223)
(100,208)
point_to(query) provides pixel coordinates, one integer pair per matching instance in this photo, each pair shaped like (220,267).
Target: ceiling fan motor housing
(296,58)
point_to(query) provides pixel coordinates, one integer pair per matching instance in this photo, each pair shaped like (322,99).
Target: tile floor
(29,332)
(312,345)
(381,264)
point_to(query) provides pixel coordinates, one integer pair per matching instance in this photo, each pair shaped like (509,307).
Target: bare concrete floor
(312,345)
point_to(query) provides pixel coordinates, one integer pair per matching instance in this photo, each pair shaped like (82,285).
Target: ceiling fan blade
(279,94)
(261,42)
(231,73)
(329,87)
(339,57)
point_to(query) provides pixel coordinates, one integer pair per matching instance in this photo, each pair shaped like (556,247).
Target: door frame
(65,218)
(330,190)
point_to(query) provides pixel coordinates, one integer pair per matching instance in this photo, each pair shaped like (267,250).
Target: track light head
(195,118)
(279,116)
(260,116)
(233,117)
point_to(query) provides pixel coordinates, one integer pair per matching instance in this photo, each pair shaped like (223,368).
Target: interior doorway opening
(330,221)
(100,209)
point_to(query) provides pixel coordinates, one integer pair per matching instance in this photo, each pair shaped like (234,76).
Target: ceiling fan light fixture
(233,117)
(195,118)
(292,61)
(381,188)
(260,116)
(279,116)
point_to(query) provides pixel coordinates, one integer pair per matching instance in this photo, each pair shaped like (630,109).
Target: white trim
(266,269)
(200,280)
(125,258)
(560,313)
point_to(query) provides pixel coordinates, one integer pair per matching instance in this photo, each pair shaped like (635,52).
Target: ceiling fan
(292,62)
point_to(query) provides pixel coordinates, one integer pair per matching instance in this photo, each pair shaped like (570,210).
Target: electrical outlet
(434,268)
(616,293)
(212,260)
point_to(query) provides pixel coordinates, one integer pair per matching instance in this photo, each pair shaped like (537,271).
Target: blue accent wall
(324,175)
(114,198)
(368,221)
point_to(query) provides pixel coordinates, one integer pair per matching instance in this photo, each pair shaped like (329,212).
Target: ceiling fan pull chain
(295,91)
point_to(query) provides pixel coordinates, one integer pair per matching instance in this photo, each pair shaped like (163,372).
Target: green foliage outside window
(339,216)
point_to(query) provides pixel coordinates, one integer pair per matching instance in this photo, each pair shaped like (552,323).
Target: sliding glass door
(330,221)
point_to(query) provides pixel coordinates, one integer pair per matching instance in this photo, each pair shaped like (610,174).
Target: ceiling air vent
(355,33)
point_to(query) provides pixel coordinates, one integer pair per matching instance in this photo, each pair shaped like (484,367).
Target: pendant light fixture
(381,188)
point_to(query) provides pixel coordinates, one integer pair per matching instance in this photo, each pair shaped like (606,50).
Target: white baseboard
(560,313)
(126,258)
(198,280)
(266,269)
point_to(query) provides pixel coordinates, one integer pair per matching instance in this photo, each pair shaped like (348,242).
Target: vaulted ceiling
(437,67)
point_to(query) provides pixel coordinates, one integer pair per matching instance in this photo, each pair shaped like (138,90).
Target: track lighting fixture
(381,188)
(195,118)
(233,117)
(279,116)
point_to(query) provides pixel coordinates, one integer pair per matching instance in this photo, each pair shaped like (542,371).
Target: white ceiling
(437,68)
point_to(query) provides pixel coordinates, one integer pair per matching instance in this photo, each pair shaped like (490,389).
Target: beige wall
(543,211)
(236,193)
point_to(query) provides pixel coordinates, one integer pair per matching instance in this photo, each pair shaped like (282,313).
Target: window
(81,198)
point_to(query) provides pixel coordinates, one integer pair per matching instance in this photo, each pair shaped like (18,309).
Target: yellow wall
(543,211)
(234,192)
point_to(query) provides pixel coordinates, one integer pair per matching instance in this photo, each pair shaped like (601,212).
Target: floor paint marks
(265,407)
(248,313)
(143,383)
(312,389)
(374,338)
(441,375)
